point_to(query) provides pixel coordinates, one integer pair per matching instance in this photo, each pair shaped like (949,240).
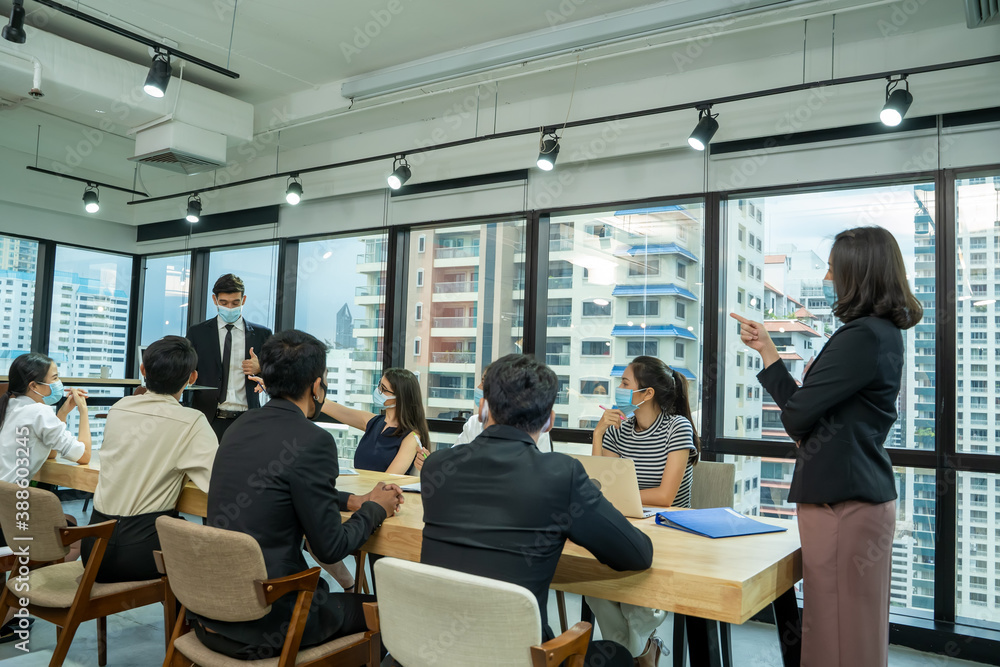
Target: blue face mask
(380,399)
(623,400)
(55,394)
(477,395)
(230,315)
(830,293)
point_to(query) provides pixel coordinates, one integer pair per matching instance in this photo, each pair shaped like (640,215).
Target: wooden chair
(66,594)
(434,616)
(711,486)
(220,574)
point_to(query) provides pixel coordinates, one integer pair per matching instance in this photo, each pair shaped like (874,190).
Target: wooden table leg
(561,604)
(788,621)
(703,642)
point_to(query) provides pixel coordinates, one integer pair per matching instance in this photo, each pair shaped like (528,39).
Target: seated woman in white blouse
(27,421)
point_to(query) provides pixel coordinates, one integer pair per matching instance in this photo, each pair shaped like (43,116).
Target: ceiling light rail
(89,181)
(698,105)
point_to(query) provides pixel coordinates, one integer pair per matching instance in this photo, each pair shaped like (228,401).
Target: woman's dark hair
(409,405)
(669,387)
(520,392)
(24,370)
(228,284)
(169,363)
(870,278)
(290,361)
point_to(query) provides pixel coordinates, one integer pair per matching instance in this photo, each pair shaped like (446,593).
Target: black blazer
(842,414)
(499,508)
(205,338)
(274,478)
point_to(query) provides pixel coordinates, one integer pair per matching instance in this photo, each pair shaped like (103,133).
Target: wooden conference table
(727,580)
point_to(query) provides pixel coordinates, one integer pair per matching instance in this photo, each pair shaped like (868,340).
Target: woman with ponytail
(651,425)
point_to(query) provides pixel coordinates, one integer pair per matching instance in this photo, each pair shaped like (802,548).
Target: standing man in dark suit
(499,508)
(226,347)
(274,478)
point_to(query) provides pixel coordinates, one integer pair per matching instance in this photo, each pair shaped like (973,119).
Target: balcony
(454,322)
(453,357)
(372,257)
(559,320)
(370,290)
(452,393)
(562,398)
(560,282)
(458,286)
(556,245)
(370,323)
(366,356)
(557,359)
(455,253)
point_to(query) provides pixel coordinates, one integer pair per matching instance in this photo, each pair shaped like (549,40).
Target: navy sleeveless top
(376,450)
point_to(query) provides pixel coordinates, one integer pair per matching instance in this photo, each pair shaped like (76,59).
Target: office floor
(135,639)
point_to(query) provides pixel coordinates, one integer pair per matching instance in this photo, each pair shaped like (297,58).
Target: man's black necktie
(227,352)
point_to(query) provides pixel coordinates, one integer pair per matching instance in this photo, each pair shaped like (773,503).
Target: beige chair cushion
(56,585)
(712,485)
(46,516)
(212,571)
(435,616)
(195,651)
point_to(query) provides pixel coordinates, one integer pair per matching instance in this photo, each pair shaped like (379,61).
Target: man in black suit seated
(500,508)
(226,346)
(274,479)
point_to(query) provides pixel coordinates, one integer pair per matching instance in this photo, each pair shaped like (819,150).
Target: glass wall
(257,266)
(464,309)
(978,314)
(165,297)
(18,261)
(340,299)
(622,284)
(977,593)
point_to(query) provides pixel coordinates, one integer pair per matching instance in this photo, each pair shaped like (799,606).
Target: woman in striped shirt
(650,424)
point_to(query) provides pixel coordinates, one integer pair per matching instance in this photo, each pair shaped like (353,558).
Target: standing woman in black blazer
(839,418)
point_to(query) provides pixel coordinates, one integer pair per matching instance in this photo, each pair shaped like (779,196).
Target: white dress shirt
(473,427)
(236,390)
(36,426)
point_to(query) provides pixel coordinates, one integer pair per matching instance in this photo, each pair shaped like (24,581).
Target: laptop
(617,480)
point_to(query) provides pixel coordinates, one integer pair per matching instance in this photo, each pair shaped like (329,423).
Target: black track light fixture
(400,173)
(159,75)
(548,150)
(897,101)
(91,198)
(293,191)
(14,30)
(705,129)
(194,208)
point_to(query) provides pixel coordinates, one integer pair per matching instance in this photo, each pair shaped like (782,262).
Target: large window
(466,311)
(90,311)
(617,293)
(257,266)
(18,259)
(340,299)
(165,297)
(978,314)
(977,592)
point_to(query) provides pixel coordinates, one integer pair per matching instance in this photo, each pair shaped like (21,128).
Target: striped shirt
(649,450)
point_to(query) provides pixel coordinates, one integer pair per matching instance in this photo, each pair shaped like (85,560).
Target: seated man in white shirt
(152,445)
(473,427)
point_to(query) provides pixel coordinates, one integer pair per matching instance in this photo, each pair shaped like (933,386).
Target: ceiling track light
(548,150)
(91,198)
(897,101)
(705,129)
(159,75)
(293,191)
(400,173)
(14,30)
(194,208)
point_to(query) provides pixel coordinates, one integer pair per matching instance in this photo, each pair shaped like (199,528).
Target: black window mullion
(134,316)
(45,272)
(536,286)
(287,284)
(198,287)
(394,310)
(712,324)
(946,502)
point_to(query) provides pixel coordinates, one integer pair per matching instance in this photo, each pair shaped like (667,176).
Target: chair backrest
(434,616)
(712,485)
(32,521)
(212,571)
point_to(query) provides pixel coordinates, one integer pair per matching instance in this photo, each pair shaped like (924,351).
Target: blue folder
(716,522)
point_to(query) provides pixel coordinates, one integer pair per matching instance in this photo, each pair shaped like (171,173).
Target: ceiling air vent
(180,147)
(979,13)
